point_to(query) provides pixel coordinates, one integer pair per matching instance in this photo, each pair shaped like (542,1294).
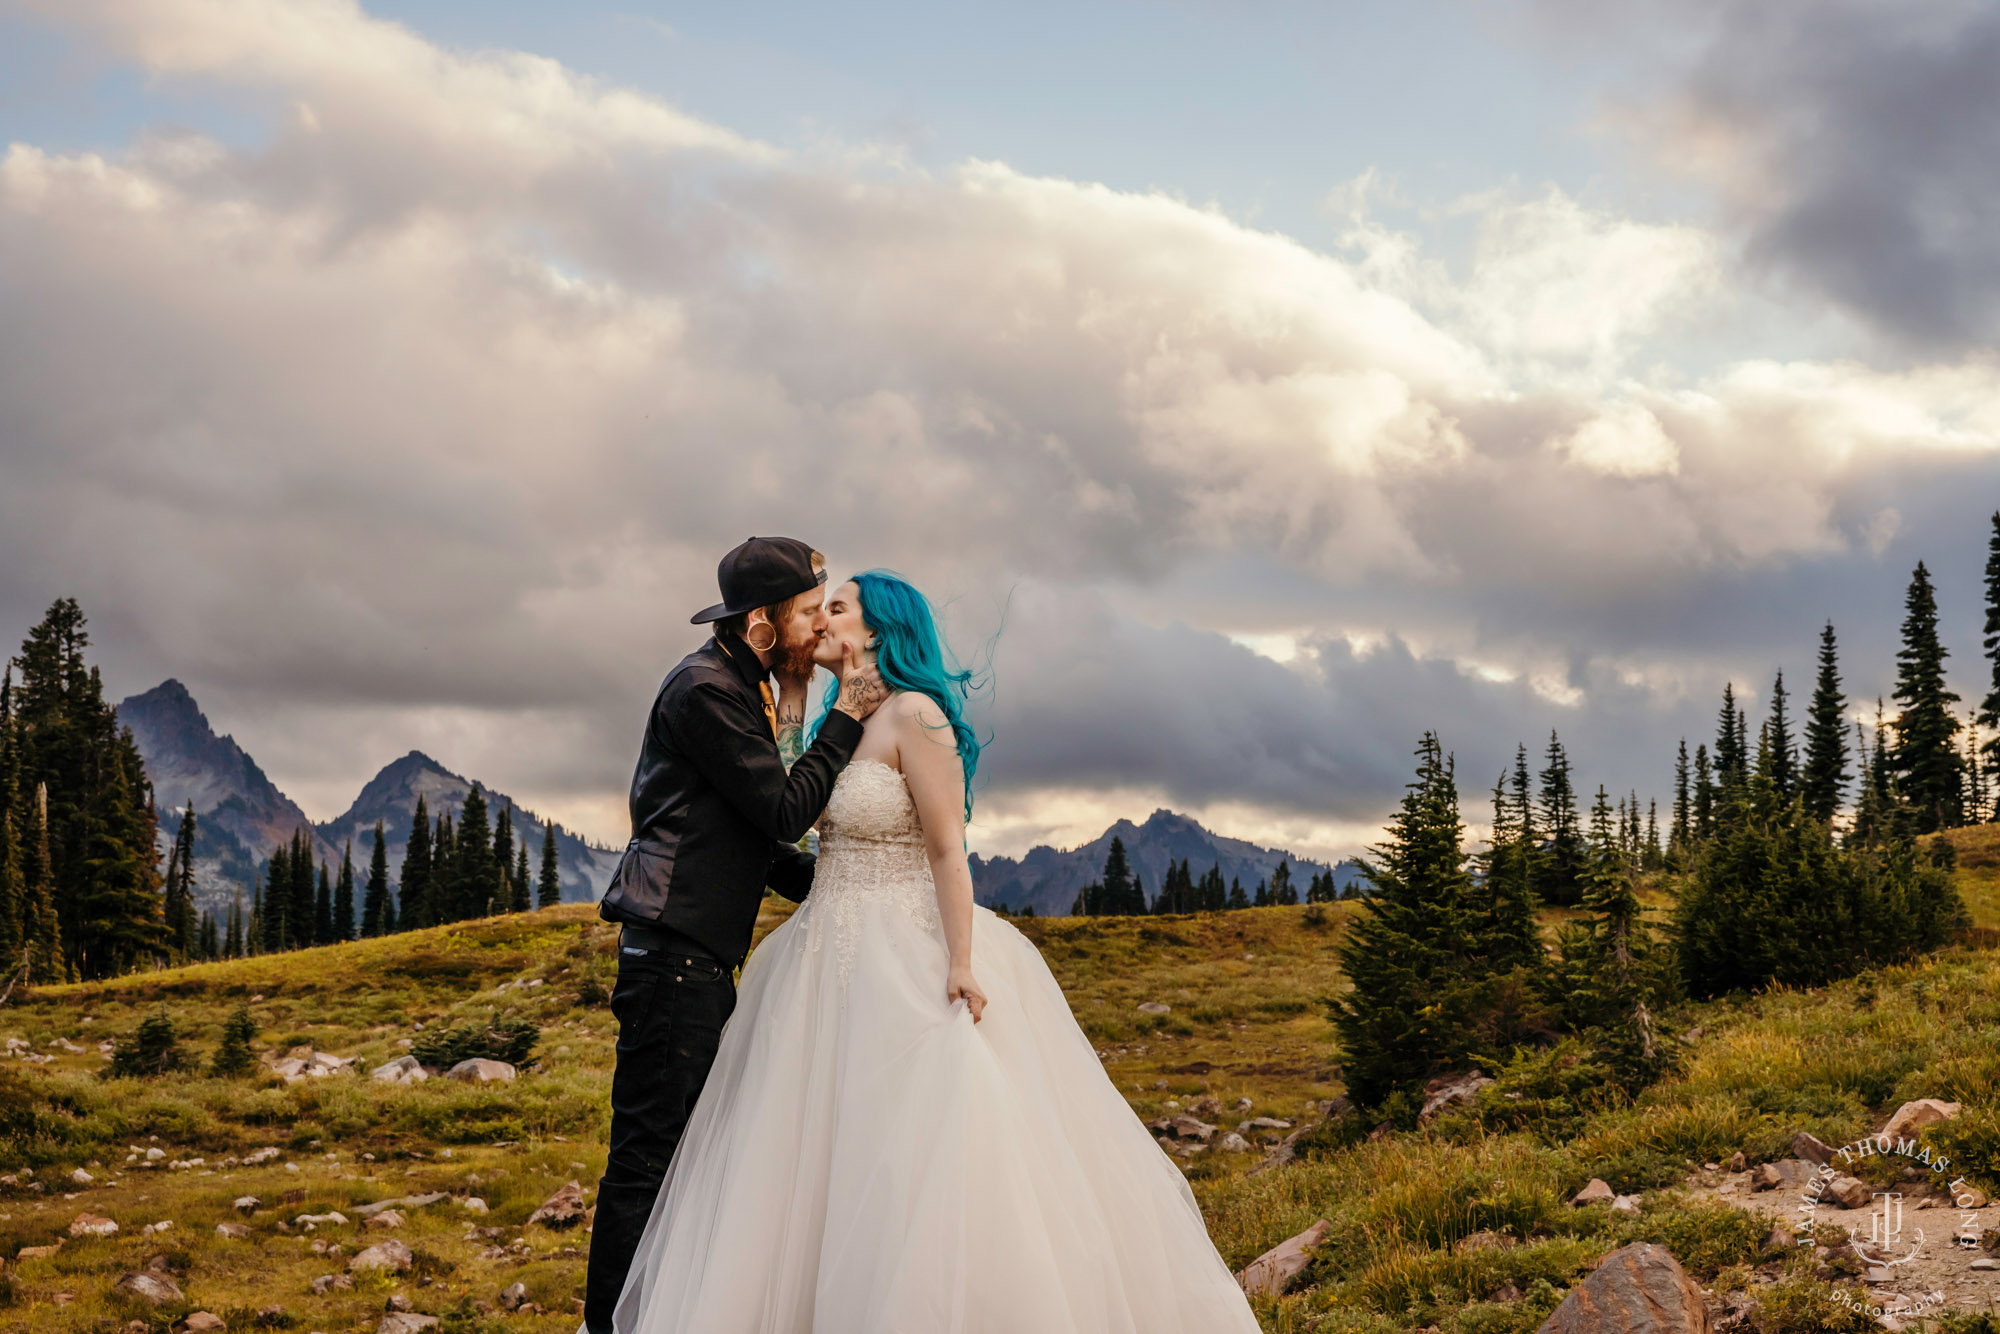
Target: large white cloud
(437,405)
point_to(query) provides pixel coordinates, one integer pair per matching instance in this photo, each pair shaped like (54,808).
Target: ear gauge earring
(761,648)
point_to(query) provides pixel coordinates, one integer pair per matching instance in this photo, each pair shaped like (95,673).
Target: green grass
(1247,1018)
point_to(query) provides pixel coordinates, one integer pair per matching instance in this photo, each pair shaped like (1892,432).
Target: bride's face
(844,625)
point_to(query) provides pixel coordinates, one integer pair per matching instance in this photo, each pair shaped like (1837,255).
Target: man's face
(799,636)
(843,625)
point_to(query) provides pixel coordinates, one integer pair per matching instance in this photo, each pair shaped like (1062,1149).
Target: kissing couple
(895,1126)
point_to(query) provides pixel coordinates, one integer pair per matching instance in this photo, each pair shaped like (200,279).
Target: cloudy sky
(1294,377)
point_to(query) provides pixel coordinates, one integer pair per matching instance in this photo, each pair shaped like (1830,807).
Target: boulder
(1446,1090)
(393,1256)
(1233,1143)
(148,1286)
(1912,1117)
(1207,1108)
(1811,1148)
(1626,1204)
(564,1209)
(1594,1192)
(326,1283)
(1276,1269)
(1154,1007)
(233,1231)
(1638,1289)
(401,1202)
(402,1070)
(1780,1239)
(513,1296)
(92,1225)
(388,1218)
(1189,1128)
(244,1204)
(479,1070)
(405,1322)
(203,1322)
(311,1221)
(1849,1193)
(1786,1173)
(38,1252)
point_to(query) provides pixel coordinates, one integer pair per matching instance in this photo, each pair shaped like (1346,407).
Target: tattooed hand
(791,720)
(861,688)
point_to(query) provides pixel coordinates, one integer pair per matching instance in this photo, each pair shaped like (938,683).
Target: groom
(715,818)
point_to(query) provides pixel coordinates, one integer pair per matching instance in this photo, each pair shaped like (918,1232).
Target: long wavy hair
(911,654)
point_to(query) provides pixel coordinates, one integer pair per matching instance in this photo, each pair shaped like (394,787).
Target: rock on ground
(1276,1269)
(402,1070)
(203,1322)
(405,1322)
(479,1070)
(388,1218)
(564,1209)
(1811,1148)
(92,1225)
(1594,1192)
(1446,1090)
(233,1231)
(392,1255)
(1914,1116)
(1783,1174)
(145,1285)
(1638,1289)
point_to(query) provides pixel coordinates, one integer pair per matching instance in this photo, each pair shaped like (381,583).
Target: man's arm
(792,720)
(791,873)
(731,745)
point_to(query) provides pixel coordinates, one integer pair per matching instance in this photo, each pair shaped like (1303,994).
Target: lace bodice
(871,852)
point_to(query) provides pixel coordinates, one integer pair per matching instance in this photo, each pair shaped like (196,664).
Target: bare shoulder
(916,712)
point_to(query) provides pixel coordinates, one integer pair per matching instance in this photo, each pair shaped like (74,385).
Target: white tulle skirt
(866,1160)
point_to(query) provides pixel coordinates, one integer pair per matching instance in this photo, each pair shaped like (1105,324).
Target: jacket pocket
(638,888)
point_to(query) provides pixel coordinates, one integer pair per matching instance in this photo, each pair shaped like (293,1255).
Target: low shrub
(506,1038)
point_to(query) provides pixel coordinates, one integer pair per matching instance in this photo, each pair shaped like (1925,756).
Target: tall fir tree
(1507,892)
(13,832)
(1561,870)
(304,908)
(323,929)
(1732,762)
(1704,794)
(502,893)
(41,924)
(1412,954)
(343,895)
(1680,835)
(415,907)
(548,886)
(1784,762)
(276,933)
(1117,886)
(1989,708)
(523,886)
(232,939)
(377,909)
(1282,889)
(1823,779)
(1928,772)
(473,857)
(444,869)
(180,909)
(1237,898)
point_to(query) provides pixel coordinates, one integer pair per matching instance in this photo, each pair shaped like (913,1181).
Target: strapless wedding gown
(866,1160)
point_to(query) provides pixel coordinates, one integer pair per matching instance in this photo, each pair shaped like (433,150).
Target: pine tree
(1680,835)
(253,929)
(473,857)
(503,861)
(1412,953)
(1732,760)
(323,929)
(1784,762)
(234,1057)
(232,940)
(444,869)
(378,911)
(548,888)
(1615,997)
(1925,758)
(1283,891)
(1975,772)
(304,908)
(1704,794)
(1656,856)
(414,898)
(1507,894)
(1824,777)
(343,895)
(1989,709)
(523,886)
(1561,871)
(179,907)
(41,926)
(276,934)
(208,944)
(1262,898)
(1237,898)
(13,832)
(1115,885)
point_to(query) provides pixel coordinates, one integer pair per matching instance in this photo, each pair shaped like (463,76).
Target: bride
(905,1131)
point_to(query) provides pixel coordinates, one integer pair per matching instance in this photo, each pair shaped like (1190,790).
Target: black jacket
(714,814)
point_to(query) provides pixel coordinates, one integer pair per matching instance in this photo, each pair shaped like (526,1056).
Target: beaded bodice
(871,853)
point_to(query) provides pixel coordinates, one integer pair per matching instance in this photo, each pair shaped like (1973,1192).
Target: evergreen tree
(524,888)
(232,940)
(1507,894)
(413,889)
(1824,777)
(253,930)
(548,887)
(1262,898)
(1601,982)
(343,895)
(179,907)
(41,926)
(378,911)
(234,1057)
(1656,856)
(276,934)
(444,870)
(1784,764)
(1732,761)
(1925,759)
(1560,879)
(503,861)
(1237,898)
(1680,836)
(1989,709)
(1411,954)
(304,909)
(1214,893)
(208,944)
(1283,891)
(1976,794)
(1704,795)
(13,833)
(323,929)
(1116,885)
(473,857)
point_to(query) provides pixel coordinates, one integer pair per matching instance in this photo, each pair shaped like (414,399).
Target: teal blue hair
(910,654)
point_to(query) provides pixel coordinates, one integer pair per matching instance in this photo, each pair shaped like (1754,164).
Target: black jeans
(670,1006)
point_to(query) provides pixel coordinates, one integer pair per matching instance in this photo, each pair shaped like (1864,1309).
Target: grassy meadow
(1246,1019)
